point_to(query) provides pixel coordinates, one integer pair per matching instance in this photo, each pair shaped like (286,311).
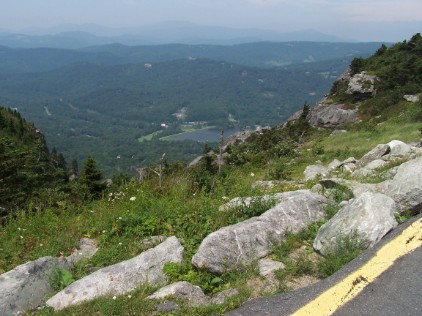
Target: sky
(365,20)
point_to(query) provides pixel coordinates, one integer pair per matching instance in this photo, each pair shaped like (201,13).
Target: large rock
(147,268)
(362,85)
(376,153)
(235,246)
(313,171)
(370,216)
(268,266)
(412,98)
(183,290)
(87,248)
(331,115)
(398,149)
(27,285)
(406,186)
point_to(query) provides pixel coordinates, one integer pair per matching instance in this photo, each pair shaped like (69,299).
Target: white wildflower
(114,297)
(133,198)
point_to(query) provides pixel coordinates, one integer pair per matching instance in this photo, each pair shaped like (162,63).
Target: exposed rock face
(238,245)
(27,285)
(331,115)
(362,85)
(370,216)
(237,138)
(121,277)
(183,290)
(406,186)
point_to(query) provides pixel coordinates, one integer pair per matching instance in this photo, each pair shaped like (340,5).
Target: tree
(91,178)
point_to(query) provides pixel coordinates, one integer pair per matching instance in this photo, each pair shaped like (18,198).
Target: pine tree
(91,177)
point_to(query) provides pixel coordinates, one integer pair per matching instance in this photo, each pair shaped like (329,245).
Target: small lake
(209,134)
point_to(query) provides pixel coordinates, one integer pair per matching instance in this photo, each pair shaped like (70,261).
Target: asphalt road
(397,291)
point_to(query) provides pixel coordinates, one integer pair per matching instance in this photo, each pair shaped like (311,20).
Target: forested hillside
(103,110)
(115,102)
(27,169)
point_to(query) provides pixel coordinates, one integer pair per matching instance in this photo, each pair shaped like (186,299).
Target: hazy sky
(359,19)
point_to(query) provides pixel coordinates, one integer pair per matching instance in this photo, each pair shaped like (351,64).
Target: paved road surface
(397,291)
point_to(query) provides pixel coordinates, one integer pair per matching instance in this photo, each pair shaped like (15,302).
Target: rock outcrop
(362,85)
(27,285)
(370,216)
(122,277)
(326,114)
(238,245)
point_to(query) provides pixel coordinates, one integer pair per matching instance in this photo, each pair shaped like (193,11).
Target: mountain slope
(27,169)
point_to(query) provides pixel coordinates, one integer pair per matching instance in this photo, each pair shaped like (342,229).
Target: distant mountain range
(74,37)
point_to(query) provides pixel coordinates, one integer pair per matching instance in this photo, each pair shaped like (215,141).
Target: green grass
(149,136)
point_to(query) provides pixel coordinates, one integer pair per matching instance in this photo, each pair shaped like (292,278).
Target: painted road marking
(344,291)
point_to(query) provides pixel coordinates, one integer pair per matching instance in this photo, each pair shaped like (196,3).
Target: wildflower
(120,243)
(21,237)
(104,231)
(114,297)
(133,198)
(41,245)
(252,174)
(129,296)
(120,218)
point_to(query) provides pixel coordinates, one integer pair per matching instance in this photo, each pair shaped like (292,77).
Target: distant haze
(360,20)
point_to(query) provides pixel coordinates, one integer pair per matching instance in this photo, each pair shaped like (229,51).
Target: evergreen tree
(91,178)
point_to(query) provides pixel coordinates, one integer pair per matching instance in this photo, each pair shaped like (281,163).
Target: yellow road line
(329,301)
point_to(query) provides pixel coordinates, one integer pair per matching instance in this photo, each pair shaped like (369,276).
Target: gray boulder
(335,164)
(313,171)
(123,277)
(398,149)
(331,115)
(362,85)
(183,290)
(338,132)
(406,186)
(412,97)
(376,153)
(27,285)
(239,245)
(370,168)
(220,297)
(268,266)
(370,216)
(87,248)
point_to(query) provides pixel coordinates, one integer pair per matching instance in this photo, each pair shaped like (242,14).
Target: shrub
(344,250)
